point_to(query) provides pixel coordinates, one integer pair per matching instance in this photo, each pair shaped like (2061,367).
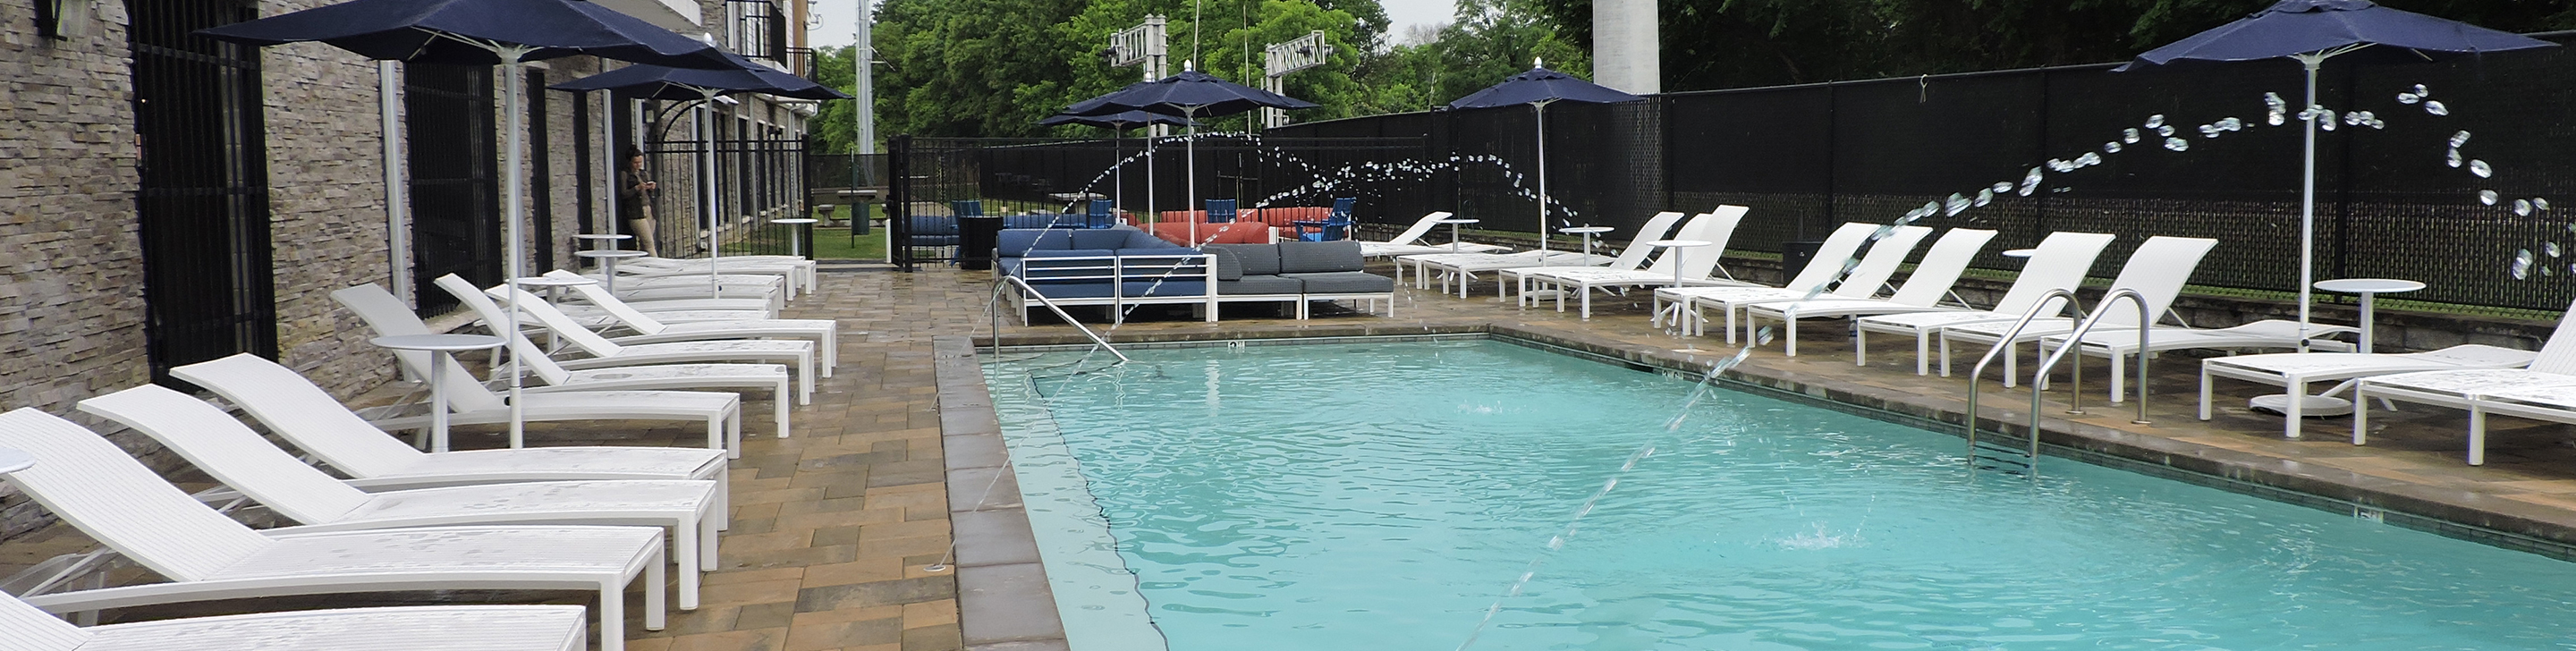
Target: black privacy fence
(2465,183)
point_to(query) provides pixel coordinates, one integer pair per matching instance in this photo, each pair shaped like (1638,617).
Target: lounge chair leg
(1860,344)
(778,410)
(2119,390)
(612,615)
(685,540)
(2204,393)
(2298,400)
(2361,421)
(1790,324)
(1945,352)
(724,500)
(2477,434)
(657,610)
(2012,359)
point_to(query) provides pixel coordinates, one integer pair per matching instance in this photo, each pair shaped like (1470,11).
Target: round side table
(1454,223)
(795,234)
(1678,247)
(445,348)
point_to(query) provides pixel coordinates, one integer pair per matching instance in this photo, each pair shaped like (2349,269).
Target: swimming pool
(1384,495)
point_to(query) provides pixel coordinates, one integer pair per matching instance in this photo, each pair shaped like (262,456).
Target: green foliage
(833,127)
(1739,43)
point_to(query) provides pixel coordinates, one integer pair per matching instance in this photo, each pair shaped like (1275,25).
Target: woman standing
(635,195)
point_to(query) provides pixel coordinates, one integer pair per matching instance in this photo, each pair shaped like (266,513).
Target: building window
(202,205)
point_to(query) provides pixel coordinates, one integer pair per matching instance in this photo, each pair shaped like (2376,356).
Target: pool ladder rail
(2039,375)
(993,308)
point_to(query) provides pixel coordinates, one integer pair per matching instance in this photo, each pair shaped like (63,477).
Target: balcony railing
(757,29)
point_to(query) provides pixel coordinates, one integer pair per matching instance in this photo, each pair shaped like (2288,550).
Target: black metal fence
(2391,202)
(757,180)
(202,205)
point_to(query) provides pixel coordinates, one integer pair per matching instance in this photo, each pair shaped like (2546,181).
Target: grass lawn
(835,244)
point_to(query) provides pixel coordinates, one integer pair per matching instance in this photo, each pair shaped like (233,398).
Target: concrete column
(1626,49)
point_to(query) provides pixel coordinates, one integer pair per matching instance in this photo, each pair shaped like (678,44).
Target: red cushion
(1235,233)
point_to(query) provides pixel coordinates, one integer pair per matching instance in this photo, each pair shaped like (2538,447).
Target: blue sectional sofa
(1298,272)
(1113,267)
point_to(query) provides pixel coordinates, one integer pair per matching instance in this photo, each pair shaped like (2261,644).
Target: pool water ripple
(1380,496)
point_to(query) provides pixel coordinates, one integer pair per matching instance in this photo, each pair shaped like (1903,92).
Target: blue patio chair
(1101,216)
(1336,224)
(1220,211)
(966,207)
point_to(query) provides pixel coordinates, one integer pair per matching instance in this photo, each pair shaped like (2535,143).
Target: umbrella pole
(511,71)
(1193,145)
(707,179)
(2308,203)
(1542,182)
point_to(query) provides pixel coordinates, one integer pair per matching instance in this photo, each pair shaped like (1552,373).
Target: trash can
(976,237)
(1794,257)
(860,215)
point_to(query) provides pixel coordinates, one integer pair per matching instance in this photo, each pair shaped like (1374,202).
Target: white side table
(1530,295)
(446,347)
(1454,223)
(2368,288)
(13,460)
(608,263)
(1678,308)
(603,238)
(795,234)
(2326,404)
(553,286)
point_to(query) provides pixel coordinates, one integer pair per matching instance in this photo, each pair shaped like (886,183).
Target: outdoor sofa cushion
(1320,257)
(1343,282)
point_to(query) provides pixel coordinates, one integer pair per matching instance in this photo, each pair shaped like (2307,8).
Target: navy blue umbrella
(701,85)
(1118,123)
(1189,94)
(2311,31)
(508,33)
(1538,88)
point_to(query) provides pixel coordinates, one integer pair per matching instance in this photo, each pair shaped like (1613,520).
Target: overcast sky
(835,28)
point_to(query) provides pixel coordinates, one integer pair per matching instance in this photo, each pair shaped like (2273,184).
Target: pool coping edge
(1003,600)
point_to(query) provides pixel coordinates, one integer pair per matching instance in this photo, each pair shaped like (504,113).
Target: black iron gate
(448,113)
(202,206)
(759,179)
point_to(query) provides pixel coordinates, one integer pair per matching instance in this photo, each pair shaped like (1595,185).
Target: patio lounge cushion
(1257,259)
(1110,238)
(1229,265)
(1021,241)
(1319,257)
(1262,285)
(1344,282)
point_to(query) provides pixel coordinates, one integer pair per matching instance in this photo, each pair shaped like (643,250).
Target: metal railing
(993,307)
(2075,341)
(2004,344)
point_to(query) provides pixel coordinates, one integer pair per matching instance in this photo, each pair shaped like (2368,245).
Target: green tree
(833,128)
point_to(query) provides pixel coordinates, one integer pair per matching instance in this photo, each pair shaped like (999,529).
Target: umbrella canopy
(476,32)
(1541,86)
(1121,120)
(2294,27)
(508,33)
(1189,94)
(665,82)
(2311,31)
(1538,88)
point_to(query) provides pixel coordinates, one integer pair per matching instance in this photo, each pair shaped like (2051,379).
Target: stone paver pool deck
(836,527)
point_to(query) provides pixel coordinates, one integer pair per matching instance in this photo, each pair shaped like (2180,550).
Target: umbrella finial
(1536,62)
(1189,65)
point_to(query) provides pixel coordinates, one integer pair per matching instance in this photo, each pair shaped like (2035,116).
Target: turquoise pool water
(1383,496)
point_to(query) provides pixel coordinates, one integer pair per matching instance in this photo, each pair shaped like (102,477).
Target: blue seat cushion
(1343,282)
(1319,257)
(1135,289)
(1262,285)
(1112,238)
(1019,241)
(1254,259)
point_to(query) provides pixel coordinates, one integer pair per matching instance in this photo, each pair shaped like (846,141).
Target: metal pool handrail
(993,306)
(2075,340)
(2001,345)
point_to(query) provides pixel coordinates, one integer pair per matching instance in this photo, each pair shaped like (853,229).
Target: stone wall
(71,275)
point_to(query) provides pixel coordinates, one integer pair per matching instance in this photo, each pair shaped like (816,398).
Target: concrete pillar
(1626,49)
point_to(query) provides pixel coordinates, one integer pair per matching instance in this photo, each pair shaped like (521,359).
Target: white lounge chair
(1695,264)
(1701,264)
(651,329)
(637,376)
(2554,366)
(1408,242)
(1840,246)
(608,354)
(2295,371)
(233,454)
(443,628)
(1860,279)
(1629,258)
(93,486)
(1931,280)
(798,271)
(2157,271)
(1462,267)
(2553,403)
(577,305)
(2118,344)
(471,403)
(2052,267)
(302,414)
